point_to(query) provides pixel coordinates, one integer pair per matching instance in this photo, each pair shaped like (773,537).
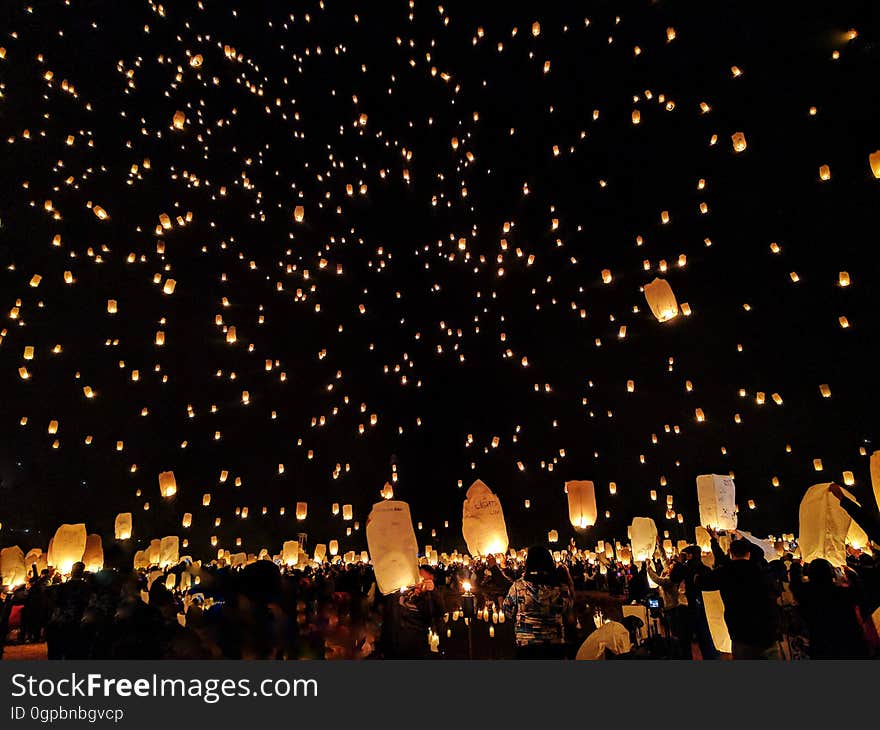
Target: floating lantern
(122,526)
(661,300)
(392,545)
(717,498)
(581,503)
(483,526)
(167,484)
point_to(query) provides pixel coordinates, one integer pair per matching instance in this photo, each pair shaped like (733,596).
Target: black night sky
(440,118)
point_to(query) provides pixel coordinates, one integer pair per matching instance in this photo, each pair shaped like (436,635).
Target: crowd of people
(538,608)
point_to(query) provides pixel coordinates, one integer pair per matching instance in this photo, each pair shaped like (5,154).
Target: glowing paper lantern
(169,551)
(290,552)
(392,544)
(347,512)
(167,484)
(334,547)
(717,498)
(874,161)
(703,539)
(739,141)
(553,536)
(661,300)
(875,476)
(299,214)
(154,552)
(187,520)
(68,546)
(93,554)
(12,566)
(122,526)
(178,119)
(824,526)
(320,552)
(482,521)
(643,538)
(581,503)
(714,607)
(302,509)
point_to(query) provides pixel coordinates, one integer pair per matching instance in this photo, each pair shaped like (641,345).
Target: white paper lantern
(122,526)
(68,546)
(169,551)
(714,607)
(644,538)
(482,521)
(93,554)
(581,503)
(717,498)
(13,571)
(392,544)
(290,552)
(824,526)
(661,300)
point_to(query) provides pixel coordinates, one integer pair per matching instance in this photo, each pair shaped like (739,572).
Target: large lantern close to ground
(581,503)
(643,539)
(482,521)
(717,497)
(392,544)
(824,526)
(68,546)
(12,568)
(714,607)
(93,554)
(122,526)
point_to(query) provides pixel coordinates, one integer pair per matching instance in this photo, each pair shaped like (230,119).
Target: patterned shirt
(538,611)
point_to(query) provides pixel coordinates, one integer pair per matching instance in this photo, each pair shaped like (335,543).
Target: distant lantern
(553,536)
(636,116)
(302,509)
(178,120)
(739,141)
(606,276)
(299,213)
(334,547)
(168,288)
(387,491)
(848,478)
(206,500)
(661,300)
(630,386)
(582,511)
(187,520)
(347,512)
(874,161)
(167,484)
(335,508)
(122,526)
(843,278)
(824,172)
(536,29)
(700,416)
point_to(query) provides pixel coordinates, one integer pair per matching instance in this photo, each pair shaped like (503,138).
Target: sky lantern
(875,476)
(661,300)
(714,607)
(347,512)
(169,551)
(167,484)
(178,120)
(874,162)
(299,213)
(739,142)
(302,509)
(483,526)
(392,545)
(824,526)
(13,571)
(122,526)
(643,538)
(68,546)
(582,510)
(93,554)
(717,498)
